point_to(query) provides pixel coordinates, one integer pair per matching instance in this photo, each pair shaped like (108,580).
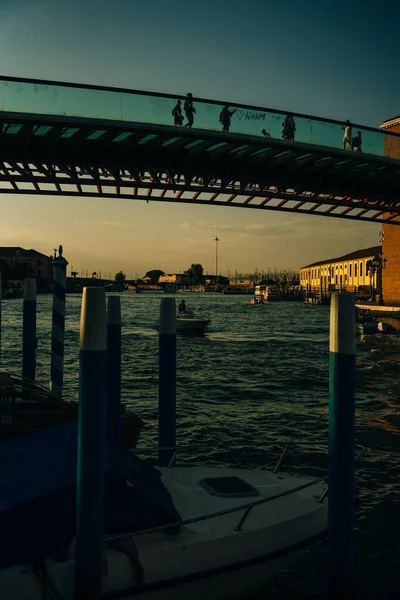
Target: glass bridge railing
(46,98)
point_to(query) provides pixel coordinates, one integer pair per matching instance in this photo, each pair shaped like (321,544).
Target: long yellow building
(348,272)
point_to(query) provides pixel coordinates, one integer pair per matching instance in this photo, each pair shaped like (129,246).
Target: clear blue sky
(324,57)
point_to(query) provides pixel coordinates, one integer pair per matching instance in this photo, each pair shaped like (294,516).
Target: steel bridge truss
(156,163)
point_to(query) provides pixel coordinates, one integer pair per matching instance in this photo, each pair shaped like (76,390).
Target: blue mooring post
(341,487)
(114,369)
(29,330)
(91,445)
(167,382)
(58,324)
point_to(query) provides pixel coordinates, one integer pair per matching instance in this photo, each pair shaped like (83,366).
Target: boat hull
(211,558)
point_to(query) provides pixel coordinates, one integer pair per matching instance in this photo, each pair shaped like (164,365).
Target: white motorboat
(188,322)
(272,293)
(215,551)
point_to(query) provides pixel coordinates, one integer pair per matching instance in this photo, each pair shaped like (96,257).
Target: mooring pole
(0,316)
(58,324)
(114,369)
(29,330)
(167,382)
(341,487)
(91,445)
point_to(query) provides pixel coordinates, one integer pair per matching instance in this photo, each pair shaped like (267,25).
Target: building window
(350,270)
(355,269)
(361,269)
(336,278)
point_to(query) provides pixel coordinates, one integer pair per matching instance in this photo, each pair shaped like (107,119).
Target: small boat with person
(257,301)
(188,322)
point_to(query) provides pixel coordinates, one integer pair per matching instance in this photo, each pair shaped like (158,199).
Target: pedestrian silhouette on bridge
(225,117)
(357,142)
(177,113)
(347,138)
(189,110)
(289,127)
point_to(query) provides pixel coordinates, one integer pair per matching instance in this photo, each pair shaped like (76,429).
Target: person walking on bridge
(289,127)
(225,117)
(347,138)
(189,110)
(177,113)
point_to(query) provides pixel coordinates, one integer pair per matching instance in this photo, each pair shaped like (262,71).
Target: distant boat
(257,301)
(270,293)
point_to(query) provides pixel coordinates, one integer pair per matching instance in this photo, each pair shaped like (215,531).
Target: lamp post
(216,258)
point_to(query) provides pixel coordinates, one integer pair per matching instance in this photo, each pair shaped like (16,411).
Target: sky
(331,58)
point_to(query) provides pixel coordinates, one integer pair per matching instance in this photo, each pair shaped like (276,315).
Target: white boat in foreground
(217,552)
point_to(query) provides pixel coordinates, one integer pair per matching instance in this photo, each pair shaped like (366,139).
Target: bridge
(74,140)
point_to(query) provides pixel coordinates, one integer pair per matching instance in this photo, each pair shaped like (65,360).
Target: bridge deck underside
(47,155)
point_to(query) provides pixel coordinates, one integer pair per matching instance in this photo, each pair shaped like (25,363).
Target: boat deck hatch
(228,487)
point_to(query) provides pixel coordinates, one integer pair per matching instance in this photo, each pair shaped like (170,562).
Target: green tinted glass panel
(42,130)
(122,137)
(68,132)
(37,98)
(96,134)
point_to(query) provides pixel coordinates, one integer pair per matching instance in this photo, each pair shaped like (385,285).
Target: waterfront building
(16,264)
(391,233)
(173,278)
(349,272)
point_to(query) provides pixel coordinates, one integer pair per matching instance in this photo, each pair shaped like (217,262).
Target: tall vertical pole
(341,505)
(114,369)
(0,317)
(91,445)
(58,324)
(216,259)
(167,382)
(29,330)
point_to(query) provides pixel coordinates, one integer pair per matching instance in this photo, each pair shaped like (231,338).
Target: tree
(154,275)
(221,280)
(120,278)
(195,273)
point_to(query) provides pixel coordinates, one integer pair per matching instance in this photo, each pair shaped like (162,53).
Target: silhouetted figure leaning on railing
(357,142)
(225,117)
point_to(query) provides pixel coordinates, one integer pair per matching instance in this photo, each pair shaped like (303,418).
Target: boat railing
(243,507)
(362,451)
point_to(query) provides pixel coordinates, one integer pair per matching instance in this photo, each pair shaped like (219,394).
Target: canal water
(257,379)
